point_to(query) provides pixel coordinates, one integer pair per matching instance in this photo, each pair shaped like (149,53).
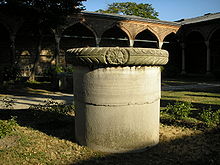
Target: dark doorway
(4,46)
(215,52)
(171,44)
(77,36)
(114,37)
(146,39)
(195,53)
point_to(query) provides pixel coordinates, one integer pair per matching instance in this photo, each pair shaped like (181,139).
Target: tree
(131,8)
(54,12)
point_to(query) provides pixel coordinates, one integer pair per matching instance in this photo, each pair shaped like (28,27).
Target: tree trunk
(12,49)
(36,60)
(57,49)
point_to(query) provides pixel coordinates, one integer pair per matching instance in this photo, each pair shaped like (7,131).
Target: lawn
(46,136)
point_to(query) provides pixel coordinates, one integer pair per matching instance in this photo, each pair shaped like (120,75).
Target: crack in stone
(118,105)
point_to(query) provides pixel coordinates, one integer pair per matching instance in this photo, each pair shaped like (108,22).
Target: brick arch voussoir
(172,32)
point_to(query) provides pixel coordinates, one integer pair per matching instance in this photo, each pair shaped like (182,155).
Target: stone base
(117,108)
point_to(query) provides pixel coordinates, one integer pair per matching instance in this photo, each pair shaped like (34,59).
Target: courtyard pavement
(189,86)
(23,100)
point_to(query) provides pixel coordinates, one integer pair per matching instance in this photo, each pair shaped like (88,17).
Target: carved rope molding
(116,56)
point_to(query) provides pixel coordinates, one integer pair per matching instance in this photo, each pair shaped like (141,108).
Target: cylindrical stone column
(117,97)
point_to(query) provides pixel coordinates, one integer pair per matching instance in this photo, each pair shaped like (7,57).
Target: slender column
(208,66)
(131,43)
(97,40)
(183,59)
(12,47)
(160,44)
(57,48)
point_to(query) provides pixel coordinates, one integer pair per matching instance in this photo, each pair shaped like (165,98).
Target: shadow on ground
(200,149)
(51,123)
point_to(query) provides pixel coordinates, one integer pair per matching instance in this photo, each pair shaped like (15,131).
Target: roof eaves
(129,17)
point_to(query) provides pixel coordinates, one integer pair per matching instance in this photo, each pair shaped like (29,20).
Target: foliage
(69,69)
(53,106)
(210,117)
(179,110)
(57,6)
(9,73)
(54,70)
(131,8)
(7,127)
(7,103)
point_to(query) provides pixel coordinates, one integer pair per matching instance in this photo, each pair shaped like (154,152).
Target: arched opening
(215,52)
(195,53)
(77,36)
(114,37)
(171,44)
(146,39)
(4,46)
(47,51)
(26,43)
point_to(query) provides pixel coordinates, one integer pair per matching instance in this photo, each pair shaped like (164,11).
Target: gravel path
(25,100)
(189,86)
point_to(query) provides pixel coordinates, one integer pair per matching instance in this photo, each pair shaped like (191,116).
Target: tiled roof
(206,17)
(131,17)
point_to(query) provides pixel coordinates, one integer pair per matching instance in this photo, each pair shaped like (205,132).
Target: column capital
(131,42)
(97,40)
(160,44)
(57,37)
(183,45)
(207,43)
(12,36)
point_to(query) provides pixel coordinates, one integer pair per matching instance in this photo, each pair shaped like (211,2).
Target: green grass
(202,98)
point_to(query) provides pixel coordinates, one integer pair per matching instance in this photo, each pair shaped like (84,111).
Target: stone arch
(114,36)
(194,30)
(84,23)
(126,30)
(171,44)
(195,53)
(4,45)
(26,42)
(77,35)
(168,34)
(47,49)
(26,38)
(146,39)
(214,42)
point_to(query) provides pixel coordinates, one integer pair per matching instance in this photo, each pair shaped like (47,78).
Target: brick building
(192,43)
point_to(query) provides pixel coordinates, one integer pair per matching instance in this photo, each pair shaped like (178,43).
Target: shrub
(53,106)
(7,127)
(179,110)
(9,73)
(210,117)
(7,103)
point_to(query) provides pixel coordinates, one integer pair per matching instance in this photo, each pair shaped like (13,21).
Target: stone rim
(116,56)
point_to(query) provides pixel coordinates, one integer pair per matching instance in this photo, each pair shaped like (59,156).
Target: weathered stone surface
(118,100)
(117,108)
(116,56)
(117,86)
